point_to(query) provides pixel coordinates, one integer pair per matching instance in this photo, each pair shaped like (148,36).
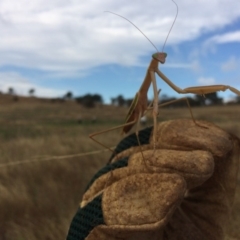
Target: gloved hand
(183,189)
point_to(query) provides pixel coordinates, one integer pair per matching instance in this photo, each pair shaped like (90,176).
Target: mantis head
(160,57)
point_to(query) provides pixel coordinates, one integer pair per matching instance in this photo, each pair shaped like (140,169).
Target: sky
(59,46)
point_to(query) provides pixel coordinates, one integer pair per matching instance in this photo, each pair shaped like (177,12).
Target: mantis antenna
(171,26)
(144,33)
(135,27)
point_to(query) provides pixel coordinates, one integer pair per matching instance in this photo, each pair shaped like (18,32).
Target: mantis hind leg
(92,136)
(189,108)
(179,100)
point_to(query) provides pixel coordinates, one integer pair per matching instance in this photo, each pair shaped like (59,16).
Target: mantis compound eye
(160,57)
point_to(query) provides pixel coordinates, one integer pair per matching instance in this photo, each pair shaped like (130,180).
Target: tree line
(91,100)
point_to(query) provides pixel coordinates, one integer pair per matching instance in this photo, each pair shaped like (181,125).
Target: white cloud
(206,81)
(179,65)
(231,64)
(77,35)
(230,37)
(225,38)
(22,85)
(196,66)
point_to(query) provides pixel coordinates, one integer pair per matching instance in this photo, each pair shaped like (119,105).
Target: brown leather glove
(183,189)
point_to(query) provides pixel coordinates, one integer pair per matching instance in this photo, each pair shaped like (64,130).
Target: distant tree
(68,95)
(214,99)
(181,103)
(200,100)
(164,97)
(11,91)
(193,102)
(113,101)
(89,100)
(31,92)
(120,100)
(238,99)
(211,98)
(97,98)
(129,101)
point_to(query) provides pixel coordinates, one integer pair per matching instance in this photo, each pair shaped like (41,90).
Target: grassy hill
(40,194)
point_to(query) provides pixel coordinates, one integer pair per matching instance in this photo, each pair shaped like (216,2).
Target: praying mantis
(140,103)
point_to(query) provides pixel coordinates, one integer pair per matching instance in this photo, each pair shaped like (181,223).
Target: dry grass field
(39,197)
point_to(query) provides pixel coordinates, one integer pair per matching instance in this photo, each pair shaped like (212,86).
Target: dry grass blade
(51,158)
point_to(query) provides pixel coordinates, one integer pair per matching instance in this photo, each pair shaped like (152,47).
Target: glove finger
(140,205)
(186,135)
(195,166)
